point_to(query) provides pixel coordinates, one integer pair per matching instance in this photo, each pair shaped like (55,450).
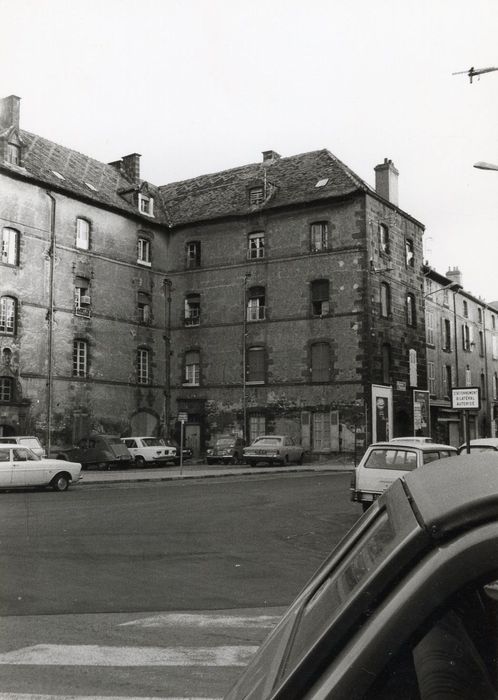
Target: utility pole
(167,355)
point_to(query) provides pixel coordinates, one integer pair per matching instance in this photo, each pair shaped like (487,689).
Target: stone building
(282,296)
(462,351)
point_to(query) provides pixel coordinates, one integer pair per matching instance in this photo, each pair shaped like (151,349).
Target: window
(431,378)
(143,251)
(256,245)
(465,309)
(80,358)
(446,334)
(145,205)
(144,308)
(447,380)
(386,363)
(256,195)
(481,343)
(7,315)
(483,386)
(466,337)
(412,363)
(256,309)
(257,426)
(193,254)
(256,365)
(319,236)
(192,368)
(82,297)
(409,254)
(411,318)
(13,154)
(495,386)
(493,322)
(320,297)
(385,299)
(320,362)
(494,347)
(10,246)
(193,310)
(429,327)
(82,234)
(143,366)
(479,314)
(384,239)
(446,297)
(5,389)
(468,376)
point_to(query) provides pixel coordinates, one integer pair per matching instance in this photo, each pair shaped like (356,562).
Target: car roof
(483,441)
(425,446)
(446,499)
(13,444)
(140,437)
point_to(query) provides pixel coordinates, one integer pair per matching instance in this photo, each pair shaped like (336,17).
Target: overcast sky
(197,86)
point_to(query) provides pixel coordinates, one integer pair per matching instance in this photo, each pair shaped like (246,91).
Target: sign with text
(465,398)
(183,417)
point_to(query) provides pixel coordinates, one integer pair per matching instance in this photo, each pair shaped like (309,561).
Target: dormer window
(146,205)
(13,154)
(256,195)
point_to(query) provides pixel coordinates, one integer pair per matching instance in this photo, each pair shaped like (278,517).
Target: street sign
(183,417)
(465,398)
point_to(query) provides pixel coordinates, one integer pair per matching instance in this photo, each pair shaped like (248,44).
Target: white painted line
(193,620)
(29,696)
(94,655)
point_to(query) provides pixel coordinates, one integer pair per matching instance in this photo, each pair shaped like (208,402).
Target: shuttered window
(256,365)
(320,362)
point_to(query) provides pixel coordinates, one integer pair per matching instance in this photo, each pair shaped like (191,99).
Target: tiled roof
(43,158)
(290,180)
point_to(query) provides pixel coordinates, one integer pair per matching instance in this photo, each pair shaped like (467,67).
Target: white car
(20,467)
(384,462)
(412,438)
(149,450)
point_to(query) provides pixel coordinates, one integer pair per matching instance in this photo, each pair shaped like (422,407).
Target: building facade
(283,296)
(462,351)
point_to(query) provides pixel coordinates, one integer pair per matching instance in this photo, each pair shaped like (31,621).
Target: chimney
(455,275)
(270,155)
(130,166)
(118,164)
(9,112)
(386,181)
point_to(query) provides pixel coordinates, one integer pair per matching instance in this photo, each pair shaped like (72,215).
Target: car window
(130,443)
(392,458)
(446,453)
(152,442)
(30,442)
(22,454)
(430,457)
(4,455)
(267,441)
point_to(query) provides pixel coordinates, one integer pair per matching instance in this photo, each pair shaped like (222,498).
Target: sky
(197,86)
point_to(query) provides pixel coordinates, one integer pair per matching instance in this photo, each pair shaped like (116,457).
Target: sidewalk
(199,470)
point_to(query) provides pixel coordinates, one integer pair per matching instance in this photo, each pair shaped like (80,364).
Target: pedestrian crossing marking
(96,655)
(200,620)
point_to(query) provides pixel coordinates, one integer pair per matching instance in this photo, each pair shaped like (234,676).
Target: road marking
(95,655)
(185,619)
(37,696)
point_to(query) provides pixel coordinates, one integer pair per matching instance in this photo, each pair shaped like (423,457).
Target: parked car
(406,606)
(384,462)
(26,441)
(413,438)
(273,449)
(480,445)
(98,451)
(150,450)
(186,451)
(228,449)
(21,467)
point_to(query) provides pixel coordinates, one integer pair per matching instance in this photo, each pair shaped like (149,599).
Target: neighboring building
(462,351)
(284,296)
(84,250)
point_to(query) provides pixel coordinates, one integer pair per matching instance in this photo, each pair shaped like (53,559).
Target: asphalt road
(157,589)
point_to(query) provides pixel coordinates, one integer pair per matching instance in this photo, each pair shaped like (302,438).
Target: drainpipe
(244,358)
(50,320)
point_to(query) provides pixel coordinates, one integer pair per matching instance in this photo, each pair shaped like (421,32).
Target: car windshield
(392,458)
(268,441)
(30,442)
(153,442)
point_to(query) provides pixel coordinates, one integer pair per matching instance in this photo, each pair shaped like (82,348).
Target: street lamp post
(167,356)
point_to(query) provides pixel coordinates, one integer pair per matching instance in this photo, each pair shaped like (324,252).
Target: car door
(5,467)
(27,469)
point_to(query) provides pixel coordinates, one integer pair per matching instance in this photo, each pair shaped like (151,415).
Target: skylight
(90,186)
(61,177)
(322,183)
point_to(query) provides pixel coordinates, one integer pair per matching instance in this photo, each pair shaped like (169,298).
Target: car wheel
(140,461)
(60,482)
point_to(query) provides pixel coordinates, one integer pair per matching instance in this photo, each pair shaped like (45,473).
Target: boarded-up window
(320,362)
(321,432)
(256,365)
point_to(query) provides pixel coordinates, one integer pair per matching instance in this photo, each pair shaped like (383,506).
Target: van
(384,462)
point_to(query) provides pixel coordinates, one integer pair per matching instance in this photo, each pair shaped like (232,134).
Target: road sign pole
(467,431)
(182,423)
